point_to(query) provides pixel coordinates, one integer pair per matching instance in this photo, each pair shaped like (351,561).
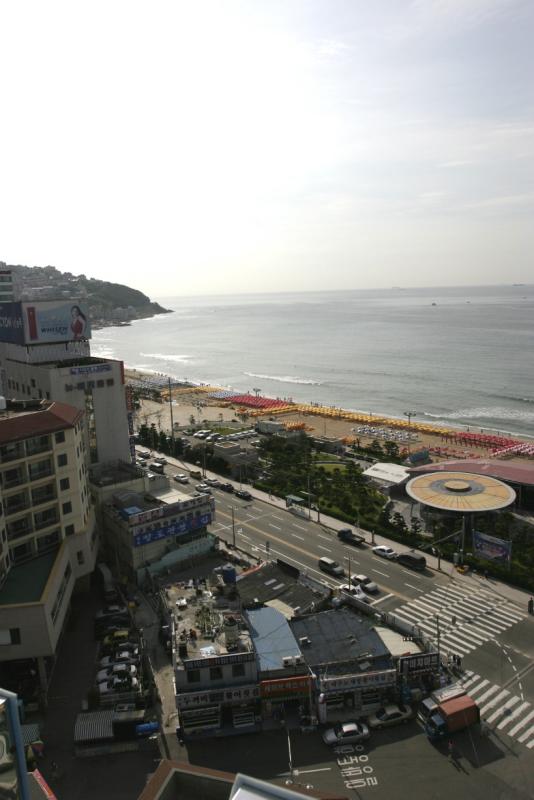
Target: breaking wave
(283,378)
(177,359)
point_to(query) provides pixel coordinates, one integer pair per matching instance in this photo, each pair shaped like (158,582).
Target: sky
(224,146)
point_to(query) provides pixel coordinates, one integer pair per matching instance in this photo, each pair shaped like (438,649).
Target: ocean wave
(484,412)
(283,378)
(513,398)
(178,359)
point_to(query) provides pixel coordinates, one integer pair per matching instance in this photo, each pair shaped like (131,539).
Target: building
(281,585)
(7,292)
(48,535)
(150,526)
(353,667)
(45,354)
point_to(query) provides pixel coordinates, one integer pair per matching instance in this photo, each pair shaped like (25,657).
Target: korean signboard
(11,326)
(239,694)
(218,661)
(366,680)
(176,528)
(284,687)
(419,664)
(491,549)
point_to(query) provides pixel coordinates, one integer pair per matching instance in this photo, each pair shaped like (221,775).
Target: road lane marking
(381,599)
(352,560)
(320,546)
(299,527)
(246,538)
(276,527)
(302,539)
(275,516)
(322,536)
(417,589)
(380,573)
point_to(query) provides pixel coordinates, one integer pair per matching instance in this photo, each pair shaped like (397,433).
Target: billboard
(11,325)
(490,548)
(55,321)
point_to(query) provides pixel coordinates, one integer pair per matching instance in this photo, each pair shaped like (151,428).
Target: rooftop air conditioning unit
(288,661)
(299,660)
(304,641)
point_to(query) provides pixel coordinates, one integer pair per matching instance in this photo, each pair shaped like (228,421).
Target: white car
(116,685)
(120,657)
(346,733)
(384,552)
(181,478)
(390,715)
(181,602)
(121,671)
(354,591)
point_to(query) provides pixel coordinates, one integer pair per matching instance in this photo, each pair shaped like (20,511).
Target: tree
(399,523)
(391,449)
(192,419)
(416,527)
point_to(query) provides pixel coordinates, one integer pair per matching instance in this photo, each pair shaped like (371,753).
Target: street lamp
(410,414)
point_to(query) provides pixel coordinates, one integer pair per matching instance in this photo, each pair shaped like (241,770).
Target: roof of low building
(337,636)
(271,582)
(50,418)
(387,473)
(272,638)
(521,473)
(25,583)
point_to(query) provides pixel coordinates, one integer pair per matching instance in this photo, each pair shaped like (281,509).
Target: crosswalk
(501,710)
(464,618)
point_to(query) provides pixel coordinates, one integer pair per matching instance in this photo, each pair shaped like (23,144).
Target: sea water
(463,356)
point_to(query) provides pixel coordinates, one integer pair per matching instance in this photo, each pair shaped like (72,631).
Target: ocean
(462,356)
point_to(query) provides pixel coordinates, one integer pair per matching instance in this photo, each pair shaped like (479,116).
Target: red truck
(451,716)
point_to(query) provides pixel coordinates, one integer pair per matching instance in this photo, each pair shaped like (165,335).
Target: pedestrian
(486,574)
(450,749)
(531,606)
(55,769)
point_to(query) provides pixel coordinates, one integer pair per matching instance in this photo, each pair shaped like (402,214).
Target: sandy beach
(195,403)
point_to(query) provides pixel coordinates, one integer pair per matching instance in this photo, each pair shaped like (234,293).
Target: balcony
(45,519)
(11,453)
(14,505)
(41,444)
(12,479)
(39,474)
(44,495)
(17,531)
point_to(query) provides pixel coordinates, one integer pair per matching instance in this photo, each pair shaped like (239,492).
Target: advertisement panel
(176,528)
(491,549)
(55,321)
(419,664)
(11,326)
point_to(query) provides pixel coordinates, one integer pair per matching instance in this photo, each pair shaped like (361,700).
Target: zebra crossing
(501,710)
(463,618)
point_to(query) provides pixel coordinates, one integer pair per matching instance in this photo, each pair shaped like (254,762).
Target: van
(331,566)
(412,560)
(155,467)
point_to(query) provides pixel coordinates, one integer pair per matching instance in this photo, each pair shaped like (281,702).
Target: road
(493,635)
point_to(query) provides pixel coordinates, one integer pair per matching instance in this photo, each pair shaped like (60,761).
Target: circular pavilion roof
(460,491)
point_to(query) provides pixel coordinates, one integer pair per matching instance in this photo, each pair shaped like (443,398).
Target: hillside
(108,303)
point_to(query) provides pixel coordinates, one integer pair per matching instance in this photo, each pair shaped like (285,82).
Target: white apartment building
(47,529)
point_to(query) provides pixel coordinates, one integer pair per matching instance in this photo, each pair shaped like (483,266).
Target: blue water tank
(228,573)
(146,728)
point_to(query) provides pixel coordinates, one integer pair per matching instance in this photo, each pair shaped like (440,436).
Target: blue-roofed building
(286,683)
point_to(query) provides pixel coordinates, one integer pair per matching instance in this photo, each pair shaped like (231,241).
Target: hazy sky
(222,146)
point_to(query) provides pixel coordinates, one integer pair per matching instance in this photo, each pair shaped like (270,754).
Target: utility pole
(309,497)
(349,569)
(438,632)
(409,414)
(233,528)
(172,423)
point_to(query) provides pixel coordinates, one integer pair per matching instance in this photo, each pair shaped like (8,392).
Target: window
(100,384)
(60,437)
(215,673)
(193,676)
(80,386)
(69,530)
(66,508)
(64,484)
(110,382)
(48,395)
(10,636)
(238,670)
(62,460)
(32,381)
(80,558)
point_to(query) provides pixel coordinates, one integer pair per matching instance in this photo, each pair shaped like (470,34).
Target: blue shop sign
(178,527)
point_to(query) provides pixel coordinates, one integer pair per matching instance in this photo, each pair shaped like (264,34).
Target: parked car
(390,715)
(348,536)
(117,638)
(160,460)
(366,583)
(212,482)
(353,591)
(181,602)
(204,488)
(226,487)
(384,552)
(116,671)
(243,494)
(111,610)
(346,733)
(117,685)
(180,478)
(120,657)
(144,454)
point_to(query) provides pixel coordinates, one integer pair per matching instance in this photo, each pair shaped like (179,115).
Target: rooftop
(272,638)
(26,583)
(338,636)
(20,422)
(387,473)
(509,471)
(460,491)
(270,582)
(115,472)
